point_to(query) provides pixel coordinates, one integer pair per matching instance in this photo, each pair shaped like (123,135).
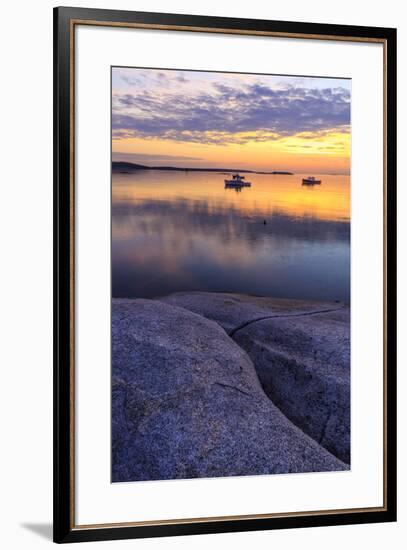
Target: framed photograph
(225,274)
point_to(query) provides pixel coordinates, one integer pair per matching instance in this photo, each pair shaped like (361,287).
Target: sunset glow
(256,122)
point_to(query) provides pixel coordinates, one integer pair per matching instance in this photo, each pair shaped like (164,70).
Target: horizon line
(220,169)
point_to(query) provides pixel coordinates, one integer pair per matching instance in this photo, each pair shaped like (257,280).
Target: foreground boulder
(303,366)
(187,403)
(301,353)
(233,311)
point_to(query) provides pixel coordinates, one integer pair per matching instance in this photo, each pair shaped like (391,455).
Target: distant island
(124,167)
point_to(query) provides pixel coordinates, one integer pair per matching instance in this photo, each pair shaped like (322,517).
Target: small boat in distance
(310,181)
(237,181)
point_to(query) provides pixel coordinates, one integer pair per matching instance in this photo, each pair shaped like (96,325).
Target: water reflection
(235,189)
(176,231)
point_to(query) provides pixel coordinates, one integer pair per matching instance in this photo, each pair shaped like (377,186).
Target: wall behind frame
(26,274)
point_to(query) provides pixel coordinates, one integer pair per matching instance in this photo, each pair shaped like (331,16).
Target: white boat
(311,180)
(237,181)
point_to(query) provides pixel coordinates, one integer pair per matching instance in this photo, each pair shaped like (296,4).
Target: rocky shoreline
(216,384)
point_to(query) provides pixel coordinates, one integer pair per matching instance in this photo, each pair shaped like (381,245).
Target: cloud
(224,113)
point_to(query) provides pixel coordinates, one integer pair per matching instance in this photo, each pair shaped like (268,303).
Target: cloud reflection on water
(176,243)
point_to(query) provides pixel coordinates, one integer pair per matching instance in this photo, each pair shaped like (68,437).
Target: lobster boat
(311,181)
(237,181)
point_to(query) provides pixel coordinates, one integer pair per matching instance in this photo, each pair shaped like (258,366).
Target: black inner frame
(63,482)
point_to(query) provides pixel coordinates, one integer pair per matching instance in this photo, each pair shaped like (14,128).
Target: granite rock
(233,311)
(187,403)
(303,366)
(301,353)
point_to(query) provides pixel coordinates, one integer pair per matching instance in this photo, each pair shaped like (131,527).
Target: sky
(228,120)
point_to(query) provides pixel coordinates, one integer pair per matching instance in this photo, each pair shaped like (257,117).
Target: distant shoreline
(118,166)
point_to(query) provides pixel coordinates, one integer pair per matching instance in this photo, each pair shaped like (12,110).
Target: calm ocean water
(182,231)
